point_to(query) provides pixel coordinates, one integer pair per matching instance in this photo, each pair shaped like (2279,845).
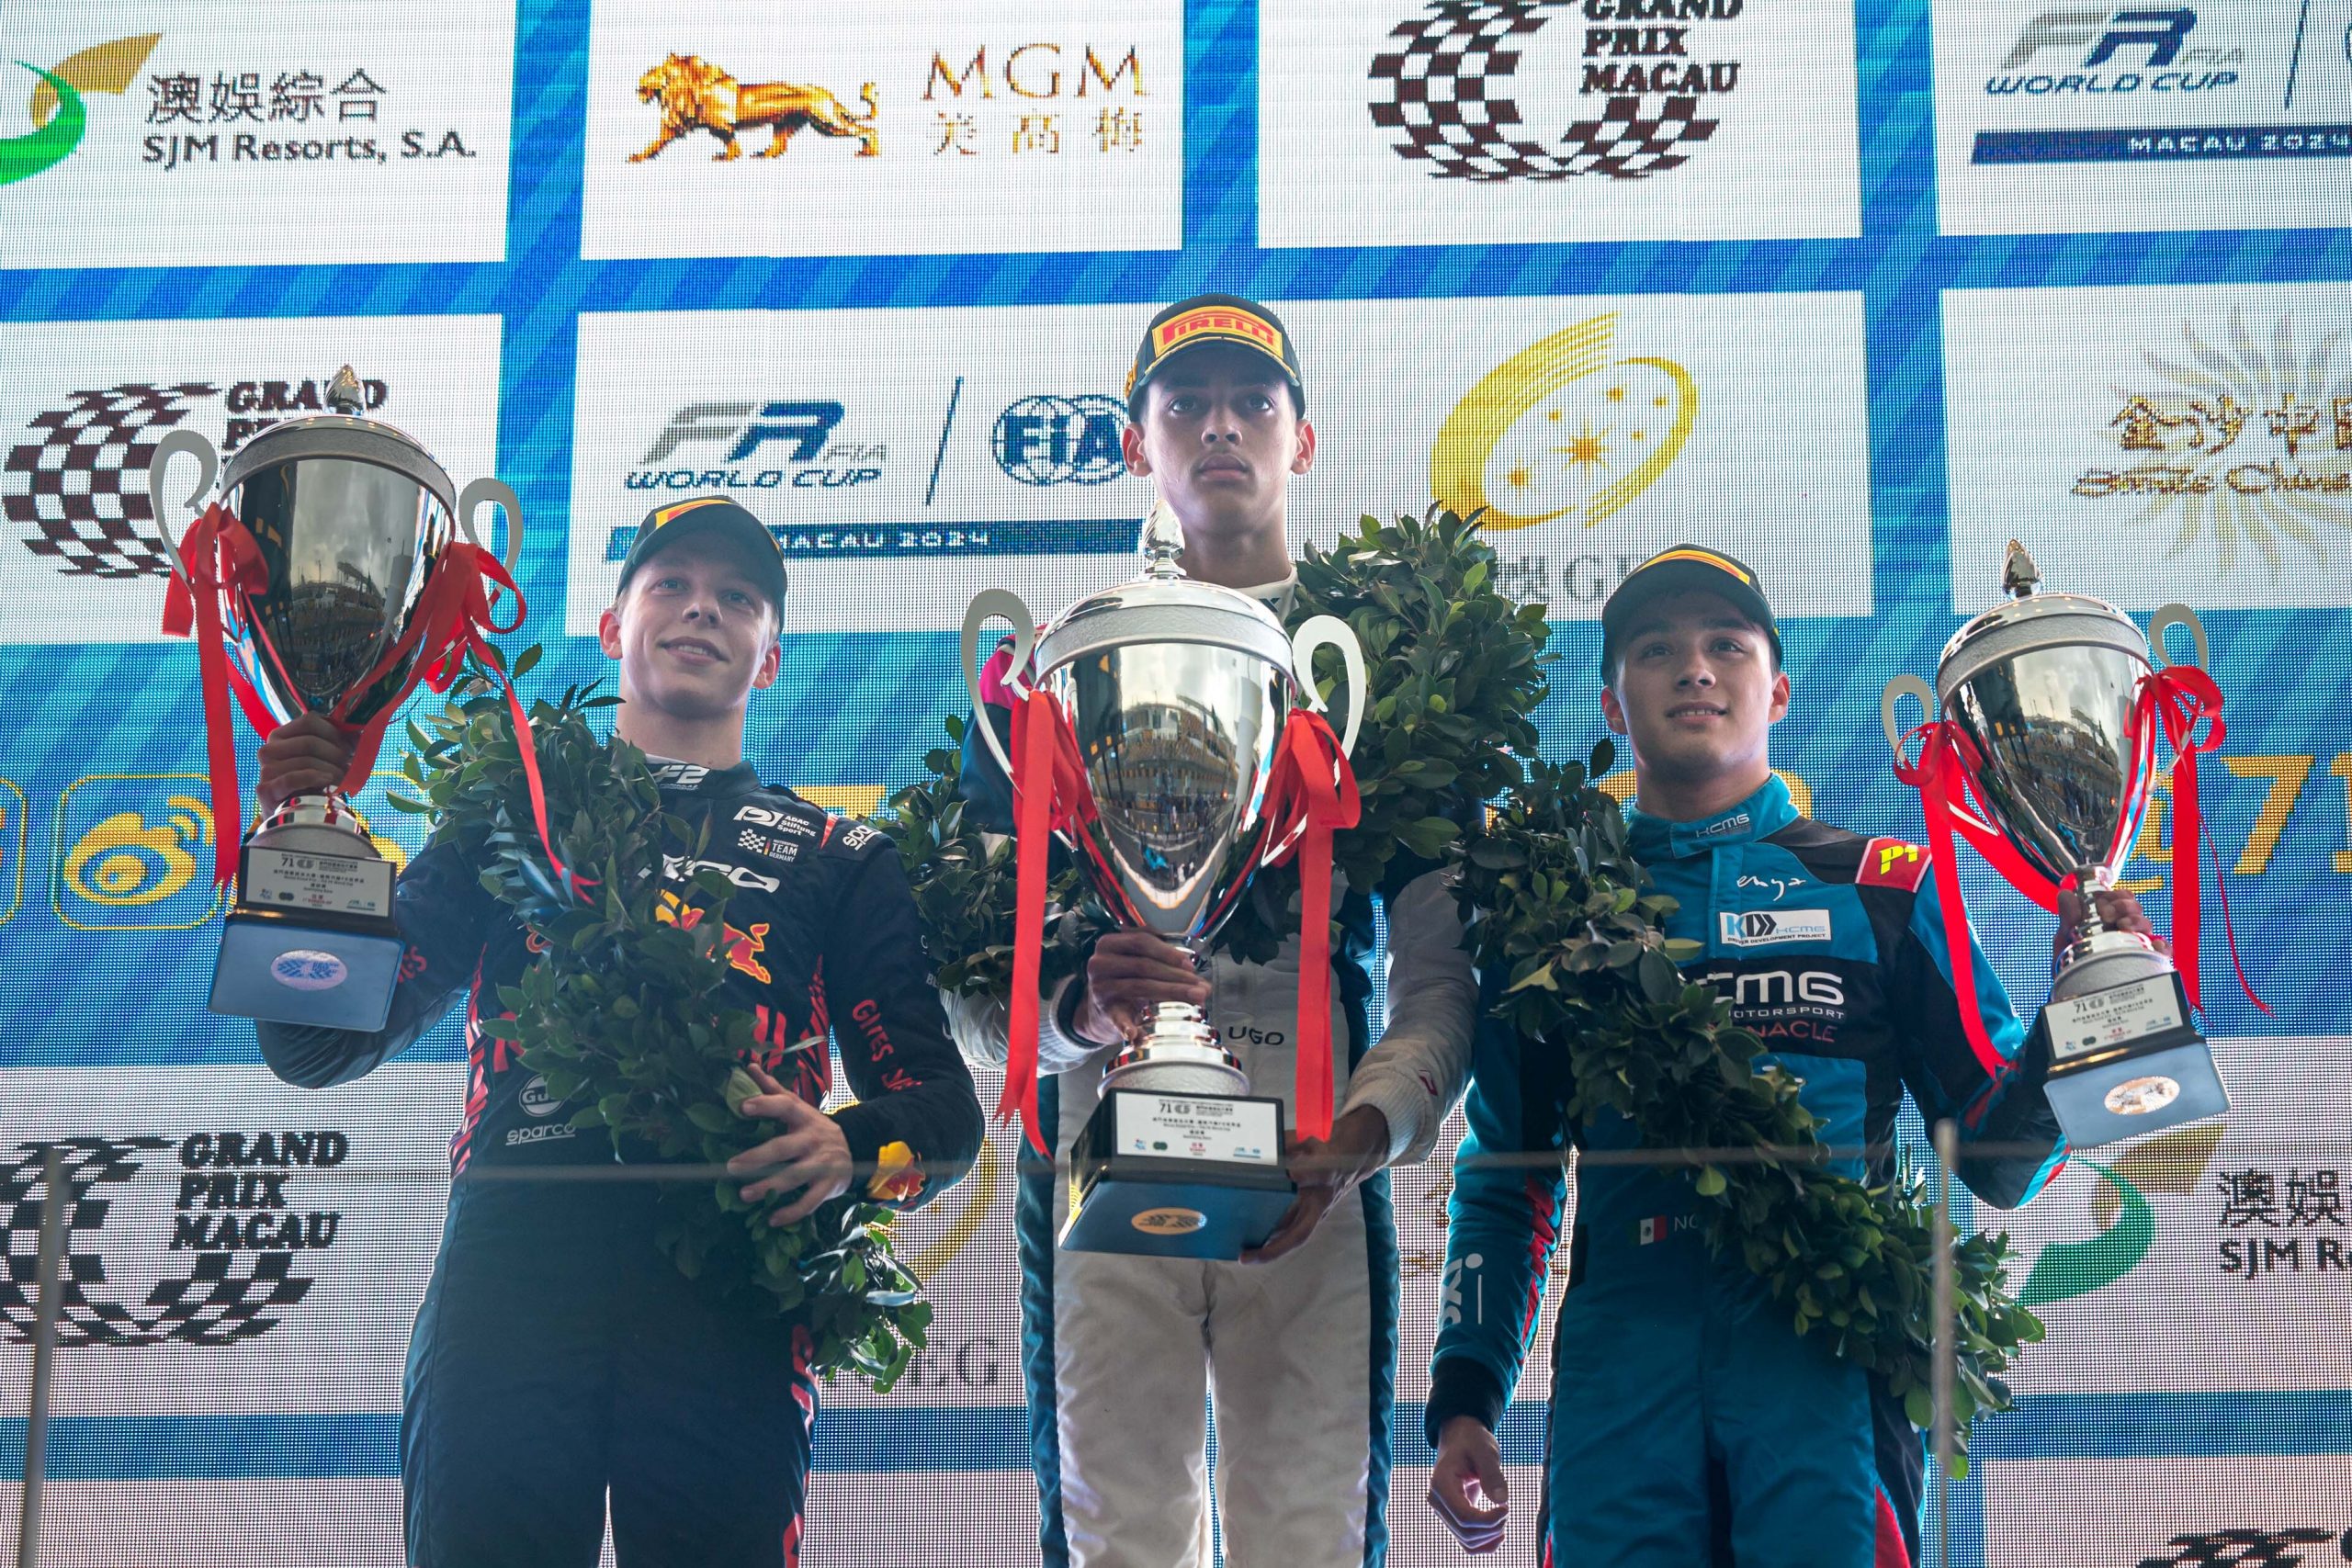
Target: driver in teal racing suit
(1690,1424)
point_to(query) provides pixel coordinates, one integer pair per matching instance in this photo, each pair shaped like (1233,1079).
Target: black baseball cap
(1685,568)
(1214,317)
(706,517)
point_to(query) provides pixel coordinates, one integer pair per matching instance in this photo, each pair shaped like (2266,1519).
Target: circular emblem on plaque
(2138,1097)
(1169,1222)
(307,969)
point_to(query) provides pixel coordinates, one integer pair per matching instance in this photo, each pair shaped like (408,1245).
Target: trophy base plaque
(289,969)
(2125,1061)
(1162,1175)
(311,940)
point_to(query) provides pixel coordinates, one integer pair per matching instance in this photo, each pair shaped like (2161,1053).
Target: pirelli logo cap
(1214,317)
(702,516)
(1685,568)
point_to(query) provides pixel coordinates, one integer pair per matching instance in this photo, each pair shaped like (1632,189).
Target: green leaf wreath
(1567,914)
(624,1013)
(1453,671)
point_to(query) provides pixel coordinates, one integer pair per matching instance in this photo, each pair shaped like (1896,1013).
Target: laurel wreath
(1566,913)
(625,1008)
(1452,673)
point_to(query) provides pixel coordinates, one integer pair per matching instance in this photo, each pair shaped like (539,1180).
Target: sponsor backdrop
(1856,292)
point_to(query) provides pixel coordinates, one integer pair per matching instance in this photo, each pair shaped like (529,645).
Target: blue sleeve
(987,792)
(1502,1224)
(1995,1101)
(444,912)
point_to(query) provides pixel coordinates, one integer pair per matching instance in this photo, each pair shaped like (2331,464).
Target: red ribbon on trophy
(1048,787)
(218,549)
(2178,697)
(1314,789)
(452,617)
(1945,777)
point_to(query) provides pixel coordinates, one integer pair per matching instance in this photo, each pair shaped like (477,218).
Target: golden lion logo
(697,96)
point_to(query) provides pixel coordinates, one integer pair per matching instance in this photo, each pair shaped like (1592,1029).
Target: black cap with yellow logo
(1214,317)
(1685,568)
(705,515)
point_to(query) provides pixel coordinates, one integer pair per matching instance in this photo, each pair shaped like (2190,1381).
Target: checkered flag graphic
(77,492)
(1450,93)
(219,1303)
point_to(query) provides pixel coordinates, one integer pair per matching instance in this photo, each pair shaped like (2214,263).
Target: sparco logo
(1453,88)
(75,487)
(199,1261)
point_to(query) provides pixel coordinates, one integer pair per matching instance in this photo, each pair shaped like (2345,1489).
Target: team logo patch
(1766,927)
(1891,863)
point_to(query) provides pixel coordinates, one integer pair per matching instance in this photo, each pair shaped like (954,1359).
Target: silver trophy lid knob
(344,393)
(2019,576)
(1162,543)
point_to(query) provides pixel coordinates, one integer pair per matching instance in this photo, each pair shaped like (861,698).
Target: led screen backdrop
(1856,292)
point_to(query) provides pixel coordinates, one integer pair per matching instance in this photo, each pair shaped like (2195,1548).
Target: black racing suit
(558,1351)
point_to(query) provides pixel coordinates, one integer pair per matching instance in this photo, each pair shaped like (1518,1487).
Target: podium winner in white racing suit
(1297,1343)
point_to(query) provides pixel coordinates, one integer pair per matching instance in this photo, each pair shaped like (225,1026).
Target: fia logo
(1050,440)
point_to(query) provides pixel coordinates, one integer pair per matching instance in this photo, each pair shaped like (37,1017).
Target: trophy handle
(471,499)
(995,604)
(1896,690)
(193,444)
(1329,631)
(2167,616)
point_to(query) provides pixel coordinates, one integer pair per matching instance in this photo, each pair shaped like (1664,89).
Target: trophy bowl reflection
(2046,689)
(1176,693)
(350,518)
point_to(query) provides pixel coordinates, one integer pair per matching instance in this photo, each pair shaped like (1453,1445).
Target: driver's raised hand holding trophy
(337,569)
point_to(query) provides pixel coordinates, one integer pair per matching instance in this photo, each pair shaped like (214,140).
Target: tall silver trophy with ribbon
(316,582)
(2053,709)
(1172,699)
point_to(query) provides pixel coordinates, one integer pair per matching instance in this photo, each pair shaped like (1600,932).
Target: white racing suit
(1122,1353)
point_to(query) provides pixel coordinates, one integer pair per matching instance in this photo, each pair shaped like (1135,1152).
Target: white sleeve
(1417,1071)
(978,1025)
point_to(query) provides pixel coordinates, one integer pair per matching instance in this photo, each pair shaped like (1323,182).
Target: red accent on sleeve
(1891,863)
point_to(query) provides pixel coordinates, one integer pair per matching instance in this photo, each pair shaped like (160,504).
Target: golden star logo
(1506,446)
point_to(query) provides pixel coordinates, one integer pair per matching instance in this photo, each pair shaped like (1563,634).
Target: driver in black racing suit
(558,1351)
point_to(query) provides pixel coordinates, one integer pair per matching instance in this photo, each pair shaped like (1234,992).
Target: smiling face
(1219,438)
(694,633)
(1696,691)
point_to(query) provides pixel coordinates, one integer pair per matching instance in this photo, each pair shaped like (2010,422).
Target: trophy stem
(319,822)
(1176,1050)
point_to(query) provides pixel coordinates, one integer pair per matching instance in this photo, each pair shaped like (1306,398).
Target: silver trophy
(351,518)
(2046,689)
(1177,692)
